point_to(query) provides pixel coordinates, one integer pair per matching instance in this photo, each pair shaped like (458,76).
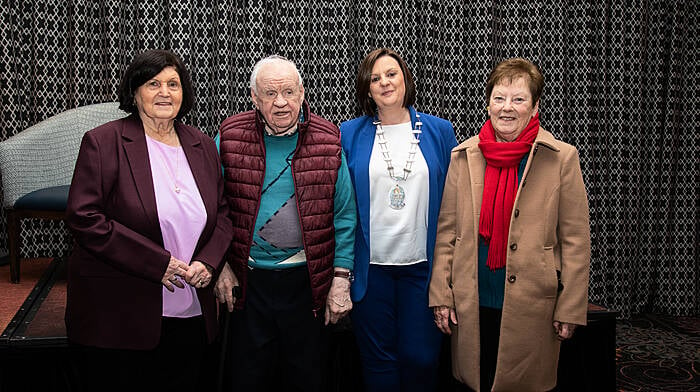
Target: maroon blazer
(118,260)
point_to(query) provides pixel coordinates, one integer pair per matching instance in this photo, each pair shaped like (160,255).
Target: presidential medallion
(397,197)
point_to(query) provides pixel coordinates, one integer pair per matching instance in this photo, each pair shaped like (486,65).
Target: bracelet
(344,274)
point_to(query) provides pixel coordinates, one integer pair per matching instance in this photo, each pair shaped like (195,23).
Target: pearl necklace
(397,194)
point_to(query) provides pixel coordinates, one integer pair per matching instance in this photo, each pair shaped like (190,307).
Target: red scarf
(500,186)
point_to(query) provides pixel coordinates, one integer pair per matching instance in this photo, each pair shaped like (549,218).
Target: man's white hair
(268,60)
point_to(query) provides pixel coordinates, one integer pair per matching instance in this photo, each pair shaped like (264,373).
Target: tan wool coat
(549,233)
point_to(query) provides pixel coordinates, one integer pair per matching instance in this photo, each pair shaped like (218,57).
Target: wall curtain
(621,85)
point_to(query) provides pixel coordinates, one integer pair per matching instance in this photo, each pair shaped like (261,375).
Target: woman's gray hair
(267,60)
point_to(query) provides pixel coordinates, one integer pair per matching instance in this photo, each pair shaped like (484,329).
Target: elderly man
(294,216)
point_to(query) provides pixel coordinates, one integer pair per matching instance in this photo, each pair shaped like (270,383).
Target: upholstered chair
(36,166)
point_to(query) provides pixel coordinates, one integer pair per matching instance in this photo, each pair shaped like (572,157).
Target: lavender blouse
(182,217)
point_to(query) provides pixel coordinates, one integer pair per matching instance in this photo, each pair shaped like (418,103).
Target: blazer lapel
(194,152)
(134,139)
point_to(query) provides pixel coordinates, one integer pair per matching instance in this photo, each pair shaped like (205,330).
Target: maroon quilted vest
(314,169)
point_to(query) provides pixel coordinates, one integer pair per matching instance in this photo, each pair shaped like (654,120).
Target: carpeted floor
(658,354)
(13,295)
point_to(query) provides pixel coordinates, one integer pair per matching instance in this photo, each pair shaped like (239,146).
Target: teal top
(277,239)
(492,283)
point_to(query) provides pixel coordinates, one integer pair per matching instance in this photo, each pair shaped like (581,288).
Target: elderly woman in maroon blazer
(150,223)
(510,274)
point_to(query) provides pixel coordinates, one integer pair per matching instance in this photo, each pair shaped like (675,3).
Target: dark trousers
(173,365)
(396,336)
(489,332)
(278,343)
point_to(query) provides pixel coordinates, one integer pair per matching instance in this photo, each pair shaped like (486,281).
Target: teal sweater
(277,242)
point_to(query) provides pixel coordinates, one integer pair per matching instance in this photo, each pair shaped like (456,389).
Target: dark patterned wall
(621,85)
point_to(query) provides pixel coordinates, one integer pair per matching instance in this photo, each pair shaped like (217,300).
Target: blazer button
(511,279)
(513,246)
(517,212)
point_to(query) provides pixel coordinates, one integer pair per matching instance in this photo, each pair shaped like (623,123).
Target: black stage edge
(14,334)
(34,350)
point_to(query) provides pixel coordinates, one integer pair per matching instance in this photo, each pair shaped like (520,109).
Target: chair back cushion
(44,154)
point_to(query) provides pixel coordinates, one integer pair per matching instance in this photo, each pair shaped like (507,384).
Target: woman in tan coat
(510,274)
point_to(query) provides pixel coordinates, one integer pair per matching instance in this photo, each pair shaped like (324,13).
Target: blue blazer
(357,138)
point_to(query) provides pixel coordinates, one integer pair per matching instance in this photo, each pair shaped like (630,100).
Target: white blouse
(398,236)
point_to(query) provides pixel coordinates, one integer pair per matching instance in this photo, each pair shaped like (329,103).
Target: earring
(487,108)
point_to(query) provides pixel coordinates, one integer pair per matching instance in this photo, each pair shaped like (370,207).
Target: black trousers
(278,343)
(489,332)
(173,365)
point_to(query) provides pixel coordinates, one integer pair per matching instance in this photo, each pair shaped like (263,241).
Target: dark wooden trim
(14,229)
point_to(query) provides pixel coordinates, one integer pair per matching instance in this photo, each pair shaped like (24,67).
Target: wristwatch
(345,274)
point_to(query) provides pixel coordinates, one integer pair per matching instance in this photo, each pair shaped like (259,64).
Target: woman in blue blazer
(398,160)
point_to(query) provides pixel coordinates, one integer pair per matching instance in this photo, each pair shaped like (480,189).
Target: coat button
(513,246)
(517,212)
(511,279)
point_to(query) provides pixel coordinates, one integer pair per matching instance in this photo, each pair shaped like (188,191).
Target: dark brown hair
(512,69)
(143,68)
(364,76)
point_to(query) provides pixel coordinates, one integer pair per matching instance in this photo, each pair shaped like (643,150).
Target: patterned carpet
(658,354)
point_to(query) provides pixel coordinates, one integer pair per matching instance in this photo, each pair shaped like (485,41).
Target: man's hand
(338,303)
(224,287)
